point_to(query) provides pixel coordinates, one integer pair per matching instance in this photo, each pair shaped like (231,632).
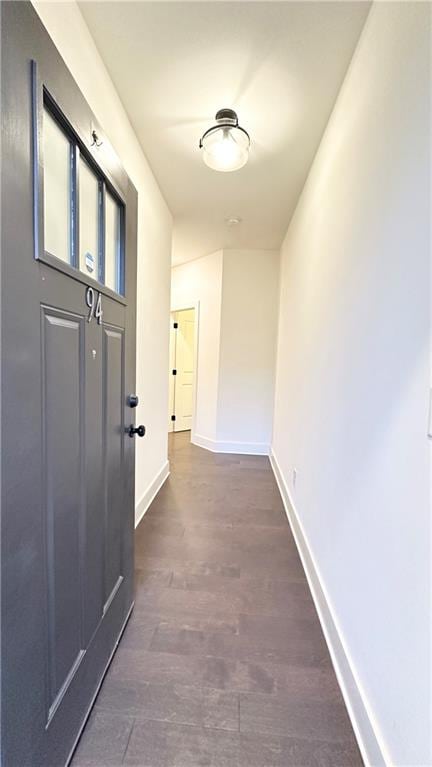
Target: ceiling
(278,64)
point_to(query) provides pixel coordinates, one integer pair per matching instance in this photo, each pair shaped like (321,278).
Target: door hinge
(174,372)
(175,326)
(173,418)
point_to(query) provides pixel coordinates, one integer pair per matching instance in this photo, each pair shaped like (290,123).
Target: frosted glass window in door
(112,243)
(88,221)
(57,189)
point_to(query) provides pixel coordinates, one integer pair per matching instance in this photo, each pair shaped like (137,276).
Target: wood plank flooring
(223,662)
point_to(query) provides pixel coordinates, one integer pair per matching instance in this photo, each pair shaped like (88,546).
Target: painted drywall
(238,293)
(72,38)
(250,293)
(201,281)
(353,373)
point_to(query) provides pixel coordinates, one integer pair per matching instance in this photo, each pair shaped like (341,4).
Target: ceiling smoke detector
(225,145)
(233,221)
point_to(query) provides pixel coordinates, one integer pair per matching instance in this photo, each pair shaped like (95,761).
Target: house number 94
(94,302)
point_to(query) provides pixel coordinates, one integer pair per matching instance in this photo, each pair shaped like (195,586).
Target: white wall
(353,374)
(201,280)
(250,294)
(71,36)
(237,292)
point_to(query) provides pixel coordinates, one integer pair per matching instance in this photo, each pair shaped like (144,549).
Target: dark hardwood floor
(223,662)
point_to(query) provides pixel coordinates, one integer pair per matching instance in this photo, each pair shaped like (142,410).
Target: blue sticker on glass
(89,260)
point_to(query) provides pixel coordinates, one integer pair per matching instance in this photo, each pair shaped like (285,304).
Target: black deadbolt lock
(133,400)
(138,430)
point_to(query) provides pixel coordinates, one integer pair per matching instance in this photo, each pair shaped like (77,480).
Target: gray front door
(68,370)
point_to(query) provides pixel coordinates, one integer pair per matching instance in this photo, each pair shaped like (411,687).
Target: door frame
(195,305)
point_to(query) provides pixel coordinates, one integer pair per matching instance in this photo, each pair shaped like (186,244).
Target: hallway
(223,663)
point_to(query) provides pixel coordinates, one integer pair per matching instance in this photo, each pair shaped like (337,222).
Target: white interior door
(172,364)
(183,369)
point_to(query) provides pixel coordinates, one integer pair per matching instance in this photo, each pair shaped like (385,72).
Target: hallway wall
(72,38)
(250,292)
(237,292)
(201,280)
(353,376)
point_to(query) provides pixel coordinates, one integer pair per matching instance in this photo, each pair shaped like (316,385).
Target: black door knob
(139,430)
(133,400)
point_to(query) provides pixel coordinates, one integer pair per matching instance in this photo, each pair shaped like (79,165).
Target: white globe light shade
(225,147)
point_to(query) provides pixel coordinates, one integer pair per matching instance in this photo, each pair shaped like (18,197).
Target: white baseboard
(153,488)
(242,448)
(362,719)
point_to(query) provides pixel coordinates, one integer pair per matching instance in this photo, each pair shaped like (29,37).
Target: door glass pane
(112,243)
(57,189)
(88,221)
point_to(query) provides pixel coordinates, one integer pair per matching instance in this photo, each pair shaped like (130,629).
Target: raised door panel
(113,438)
(63,392)
(93,543)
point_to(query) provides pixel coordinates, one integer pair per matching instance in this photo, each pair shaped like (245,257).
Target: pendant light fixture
(225,146)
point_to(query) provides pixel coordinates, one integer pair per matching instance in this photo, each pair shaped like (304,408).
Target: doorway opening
(182,371)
